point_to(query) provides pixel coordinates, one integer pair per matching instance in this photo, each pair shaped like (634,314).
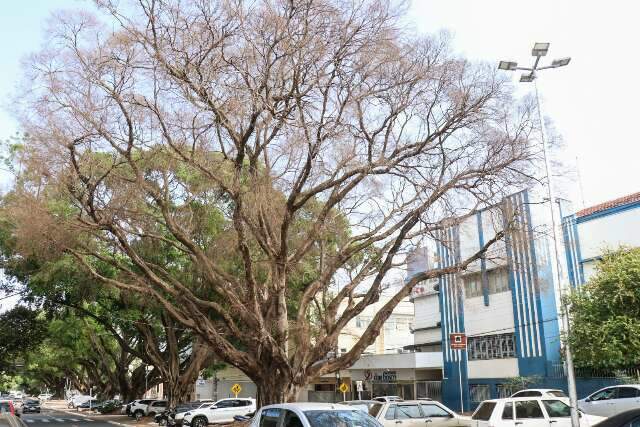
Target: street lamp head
(540,49)
(527,78)
(507,65)
(560,62)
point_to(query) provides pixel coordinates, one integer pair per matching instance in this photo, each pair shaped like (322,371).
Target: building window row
(500,346)
(497,280)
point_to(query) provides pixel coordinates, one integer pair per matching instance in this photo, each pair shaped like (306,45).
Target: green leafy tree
(21,330)
(605,313)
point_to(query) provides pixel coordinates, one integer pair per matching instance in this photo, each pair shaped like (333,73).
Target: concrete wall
(609,232)
(496,318)
(493,368)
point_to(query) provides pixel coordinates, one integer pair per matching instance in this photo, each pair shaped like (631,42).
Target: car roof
(520,399)
(311,406)
(347,402)
(543,390)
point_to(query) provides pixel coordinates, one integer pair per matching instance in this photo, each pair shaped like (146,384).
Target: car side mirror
(588,399)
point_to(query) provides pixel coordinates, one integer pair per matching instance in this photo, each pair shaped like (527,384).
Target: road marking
(60,420)
(45,420)
(74,420)
(29,420)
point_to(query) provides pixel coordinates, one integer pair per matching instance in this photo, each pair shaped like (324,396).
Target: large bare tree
(290,152)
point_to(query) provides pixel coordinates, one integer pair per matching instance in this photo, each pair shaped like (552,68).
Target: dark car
(89,404)
(626,419)
(31,406)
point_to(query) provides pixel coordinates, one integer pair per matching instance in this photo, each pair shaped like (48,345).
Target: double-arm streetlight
(539,50)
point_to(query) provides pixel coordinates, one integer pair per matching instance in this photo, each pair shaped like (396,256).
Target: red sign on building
(458,341)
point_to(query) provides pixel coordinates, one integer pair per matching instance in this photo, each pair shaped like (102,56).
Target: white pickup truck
(222,411)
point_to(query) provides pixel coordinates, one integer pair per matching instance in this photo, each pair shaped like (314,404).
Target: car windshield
(484,412)
(340,419)
(557,393)
(371,408)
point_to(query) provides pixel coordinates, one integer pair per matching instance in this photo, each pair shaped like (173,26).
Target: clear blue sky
(593,102)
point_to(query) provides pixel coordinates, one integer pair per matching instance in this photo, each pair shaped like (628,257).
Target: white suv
(155,407)
(527,412)
(222,412)
(610,401)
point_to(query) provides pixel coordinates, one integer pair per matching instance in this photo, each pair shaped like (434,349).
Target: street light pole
(539,50)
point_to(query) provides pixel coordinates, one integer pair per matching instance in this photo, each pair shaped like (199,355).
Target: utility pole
(539,50)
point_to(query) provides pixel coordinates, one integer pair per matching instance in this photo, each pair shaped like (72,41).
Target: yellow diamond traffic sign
(236,389)
(343,388)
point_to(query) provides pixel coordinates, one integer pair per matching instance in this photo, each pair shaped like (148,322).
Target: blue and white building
(507,302)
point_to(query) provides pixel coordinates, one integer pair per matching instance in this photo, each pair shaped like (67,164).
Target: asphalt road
(53,418)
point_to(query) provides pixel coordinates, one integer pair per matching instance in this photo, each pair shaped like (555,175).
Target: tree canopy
(270,152)
(605,313)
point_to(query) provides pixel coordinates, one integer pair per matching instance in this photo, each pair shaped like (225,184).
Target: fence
(558,371)
(430,389)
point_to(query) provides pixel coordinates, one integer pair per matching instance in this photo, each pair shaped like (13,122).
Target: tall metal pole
(557,250)
(460,380)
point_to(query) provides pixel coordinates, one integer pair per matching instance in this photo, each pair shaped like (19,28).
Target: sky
(592,102)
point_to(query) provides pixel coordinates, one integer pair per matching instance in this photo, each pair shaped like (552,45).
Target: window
(557,393)
(472,285)
(269,417)
(557,408)
(238,403)
(404,412)
(484,411)
(479,392)
(634,423)
(528,393)
(432,410)
(606,394)
(505,390)
(500,346)
(225,404)
(507,412)
(291,419)
(627,393)
(498,280)
(528,409)
(391,413)
(340,418)
(362,321)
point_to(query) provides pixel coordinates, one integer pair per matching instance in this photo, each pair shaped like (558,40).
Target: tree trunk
(277,390)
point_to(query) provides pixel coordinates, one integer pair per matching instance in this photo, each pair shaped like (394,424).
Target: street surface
(55,414)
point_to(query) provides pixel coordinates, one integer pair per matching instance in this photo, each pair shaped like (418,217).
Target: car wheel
(199,422)
(162,422)
(138,414)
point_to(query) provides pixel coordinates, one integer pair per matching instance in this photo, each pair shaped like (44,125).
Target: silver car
(312,415)
(611,401)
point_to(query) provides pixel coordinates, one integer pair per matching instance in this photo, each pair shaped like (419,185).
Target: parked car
(30,406)
(45,396)
(387,399)
(138,407)
(78,400)
(418,412)
(312,415)
(89,404)
(181,410)
(527,412)
(540,392)
(108,406)
(222,411)
(7,407)
(625,419)
(611,401)
(155,407)
(371,407)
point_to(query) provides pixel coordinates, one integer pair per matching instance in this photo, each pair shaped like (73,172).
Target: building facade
(590,232)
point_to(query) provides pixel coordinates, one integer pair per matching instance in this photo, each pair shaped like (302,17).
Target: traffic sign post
(344,388)
(236,389)
(360,388)
(458,342)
